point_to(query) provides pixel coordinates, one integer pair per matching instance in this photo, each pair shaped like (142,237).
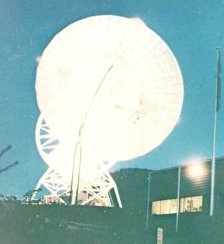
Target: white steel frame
(93,192)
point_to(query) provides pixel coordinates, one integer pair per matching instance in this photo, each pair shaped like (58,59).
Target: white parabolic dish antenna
(114,78)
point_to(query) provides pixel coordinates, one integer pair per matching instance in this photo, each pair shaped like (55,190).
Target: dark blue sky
(192,29)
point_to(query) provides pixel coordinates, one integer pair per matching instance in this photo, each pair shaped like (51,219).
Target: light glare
(196,170)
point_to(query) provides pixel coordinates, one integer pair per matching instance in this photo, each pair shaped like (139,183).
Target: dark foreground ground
(27,224)
(24,224)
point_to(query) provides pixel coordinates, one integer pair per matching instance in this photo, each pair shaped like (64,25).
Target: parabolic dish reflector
(115,78)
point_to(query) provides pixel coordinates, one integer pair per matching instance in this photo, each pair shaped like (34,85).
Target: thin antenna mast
(78,148)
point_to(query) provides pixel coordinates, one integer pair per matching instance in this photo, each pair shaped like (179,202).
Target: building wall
(193,227)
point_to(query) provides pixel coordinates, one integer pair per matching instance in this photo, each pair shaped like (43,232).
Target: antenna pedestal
(97,193)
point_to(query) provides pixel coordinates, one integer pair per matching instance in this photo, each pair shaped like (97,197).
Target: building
(50,199)
(179,202)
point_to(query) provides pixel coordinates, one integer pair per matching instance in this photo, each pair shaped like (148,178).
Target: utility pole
(216,110)
(148,200)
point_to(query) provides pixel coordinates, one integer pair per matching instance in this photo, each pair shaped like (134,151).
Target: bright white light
(197,170)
